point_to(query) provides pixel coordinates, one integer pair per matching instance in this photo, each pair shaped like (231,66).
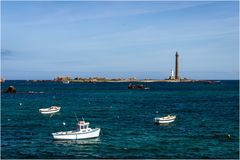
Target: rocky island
(172,78)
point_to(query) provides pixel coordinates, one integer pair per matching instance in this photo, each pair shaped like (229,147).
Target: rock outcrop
(10,89)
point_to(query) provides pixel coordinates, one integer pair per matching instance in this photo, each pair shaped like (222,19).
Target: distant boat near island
(66,82)
(141,86)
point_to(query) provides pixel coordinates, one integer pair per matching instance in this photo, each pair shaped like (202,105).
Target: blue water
(206,114)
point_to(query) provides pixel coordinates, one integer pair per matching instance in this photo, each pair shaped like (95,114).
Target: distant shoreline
(132,81)
(150,80)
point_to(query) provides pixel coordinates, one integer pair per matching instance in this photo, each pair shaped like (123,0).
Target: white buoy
(156,111)
(229,136)
(20,104)
(64,123)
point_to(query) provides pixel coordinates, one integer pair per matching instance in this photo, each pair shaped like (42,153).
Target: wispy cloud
(127,11)
(109,10)
(154,34)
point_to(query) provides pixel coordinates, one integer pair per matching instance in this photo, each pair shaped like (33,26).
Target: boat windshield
(80,127)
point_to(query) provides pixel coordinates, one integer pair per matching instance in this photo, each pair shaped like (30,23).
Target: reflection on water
(51,115)
(165,124)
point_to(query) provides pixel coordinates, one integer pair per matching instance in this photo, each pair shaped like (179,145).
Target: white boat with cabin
(166,119)
(50,110)
(82,132)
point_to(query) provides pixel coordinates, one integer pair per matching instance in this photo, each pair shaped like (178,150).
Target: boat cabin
(82,126)
(54,108)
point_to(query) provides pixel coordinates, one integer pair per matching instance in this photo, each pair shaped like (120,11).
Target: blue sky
(42,40)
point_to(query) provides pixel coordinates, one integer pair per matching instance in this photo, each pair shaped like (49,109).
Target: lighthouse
(176,76)
(177,67)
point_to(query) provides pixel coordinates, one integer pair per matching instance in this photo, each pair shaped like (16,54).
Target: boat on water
(141,86)
(50,110)
(82,132)
(65,82)
(166,119)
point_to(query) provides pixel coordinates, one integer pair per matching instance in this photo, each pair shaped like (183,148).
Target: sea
(207,123)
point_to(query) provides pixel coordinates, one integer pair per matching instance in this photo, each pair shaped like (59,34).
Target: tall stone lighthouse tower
(177,67)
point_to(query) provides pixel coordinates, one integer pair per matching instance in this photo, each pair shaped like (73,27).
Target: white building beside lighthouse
(172,75)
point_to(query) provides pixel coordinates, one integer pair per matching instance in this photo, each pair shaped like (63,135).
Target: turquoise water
(206,114)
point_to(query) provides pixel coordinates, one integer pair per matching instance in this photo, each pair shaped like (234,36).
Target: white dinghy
(50,110)
(166,119)
(82,132)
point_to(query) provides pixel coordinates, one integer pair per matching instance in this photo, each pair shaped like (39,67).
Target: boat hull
(74,136)
(49,112)
(166,121)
